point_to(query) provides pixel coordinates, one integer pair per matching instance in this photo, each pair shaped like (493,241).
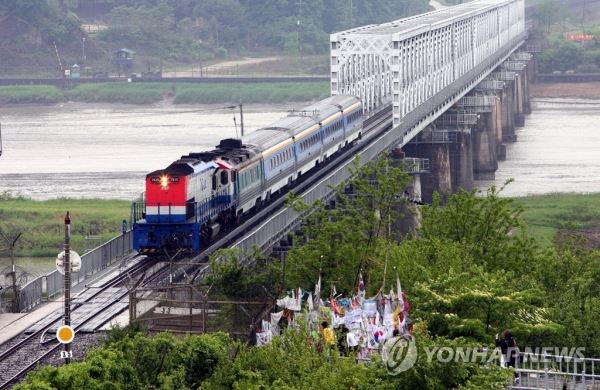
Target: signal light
(164,182)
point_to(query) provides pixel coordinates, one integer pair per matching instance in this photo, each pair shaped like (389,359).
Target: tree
(492,232)
(342,241)
(9,240)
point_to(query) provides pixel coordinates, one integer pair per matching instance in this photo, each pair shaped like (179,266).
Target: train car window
(214,182)
(224,177)
(233,176)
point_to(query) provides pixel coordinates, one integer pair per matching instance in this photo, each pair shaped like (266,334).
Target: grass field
(45,94)
(183,93)
(42,222)
(250,93)
(547,214)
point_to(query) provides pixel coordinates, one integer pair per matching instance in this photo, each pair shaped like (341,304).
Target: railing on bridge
(457,119)
(51,284)
(504,75)
(486,85)
(477,101)
(415,165)
(514,66)
(522,56)
(436,137)
(544,371)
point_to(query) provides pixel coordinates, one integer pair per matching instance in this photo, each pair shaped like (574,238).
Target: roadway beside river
(587,90)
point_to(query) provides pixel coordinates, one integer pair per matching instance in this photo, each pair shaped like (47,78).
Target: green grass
(184,93)
(250,93)
(41,222)
(30,94)
(547,214)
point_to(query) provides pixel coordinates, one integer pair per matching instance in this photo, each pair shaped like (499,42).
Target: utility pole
(67,264)
(241,119)
(298,23)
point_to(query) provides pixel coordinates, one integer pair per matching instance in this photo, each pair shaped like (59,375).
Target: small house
(124,61)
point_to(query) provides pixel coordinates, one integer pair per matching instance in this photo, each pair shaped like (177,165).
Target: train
(187,204)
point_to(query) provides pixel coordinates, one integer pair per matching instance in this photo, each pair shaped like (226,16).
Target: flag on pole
(361,289)
(317,296)
(400,293)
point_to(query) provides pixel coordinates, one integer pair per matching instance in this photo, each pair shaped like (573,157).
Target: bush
(30,94)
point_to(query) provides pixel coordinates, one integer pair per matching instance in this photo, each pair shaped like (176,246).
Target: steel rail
(135,270)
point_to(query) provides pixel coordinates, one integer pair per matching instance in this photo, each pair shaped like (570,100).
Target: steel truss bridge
(426,63)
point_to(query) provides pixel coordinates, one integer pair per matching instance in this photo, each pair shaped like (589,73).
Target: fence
(543,371)
(184,308)
(51,284)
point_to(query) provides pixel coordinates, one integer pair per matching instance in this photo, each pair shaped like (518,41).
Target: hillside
(170,33)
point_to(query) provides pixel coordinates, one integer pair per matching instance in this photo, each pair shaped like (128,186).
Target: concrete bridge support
(519,96)
(484,139)
(434,146)
(461,160)
(409,209)
(526,96)
(508,113)
(497,124)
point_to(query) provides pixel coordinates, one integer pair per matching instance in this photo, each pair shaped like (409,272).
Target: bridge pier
(461,158)
(508,113)
(410,221)
(435,146)
(528,74)
(484,138)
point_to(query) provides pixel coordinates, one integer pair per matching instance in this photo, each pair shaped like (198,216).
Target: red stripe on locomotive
(165,189)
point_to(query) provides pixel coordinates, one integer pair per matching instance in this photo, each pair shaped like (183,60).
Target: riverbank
(42,227)
(552,214)
(179,93)
(42,221)
(589,90)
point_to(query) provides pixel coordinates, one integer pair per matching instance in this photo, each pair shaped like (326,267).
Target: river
(104,151)
(557,150)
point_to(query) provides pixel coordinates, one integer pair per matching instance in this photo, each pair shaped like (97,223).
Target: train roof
(266,137)
(186,165)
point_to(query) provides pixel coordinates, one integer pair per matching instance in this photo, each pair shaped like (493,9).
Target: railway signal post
(66,262)
(67,279)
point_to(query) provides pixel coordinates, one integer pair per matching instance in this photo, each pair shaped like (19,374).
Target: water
(104,151)
(83,150)
(558,150)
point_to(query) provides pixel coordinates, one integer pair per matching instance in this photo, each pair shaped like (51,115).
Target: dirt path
(219,68)
(590,90)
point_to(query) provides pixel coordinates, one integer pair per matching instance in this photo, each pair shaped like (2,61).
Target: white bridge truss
(409,61)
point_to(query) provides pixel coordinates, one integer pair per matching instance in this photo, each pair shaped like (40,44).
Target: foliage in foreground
(470,272)
(292,361)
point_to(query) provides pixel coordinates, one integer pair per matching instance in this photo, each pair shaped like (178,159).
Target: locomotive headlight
(164,182)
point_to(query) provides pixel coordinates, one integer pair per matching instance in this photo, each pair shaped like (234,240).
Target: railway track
(374,126)
(90,310)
